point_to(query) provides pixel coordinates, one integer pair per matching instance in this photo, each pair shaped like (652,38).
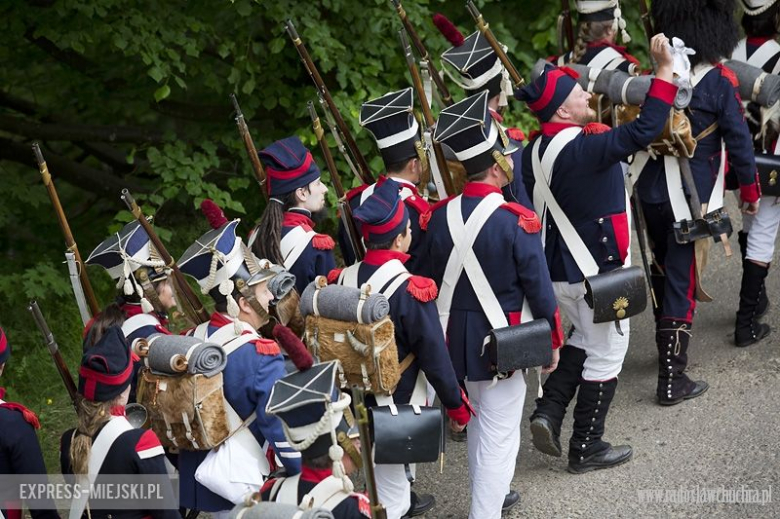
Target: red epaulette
(364,505)
(29,417)
(417,203)
(595,128)
(426,216)
(423,289)
(516,134)
(266,346)
(526,219)
(333,276)
(148,445)
(352,193)
(534,134)
(323,242)
(728,74)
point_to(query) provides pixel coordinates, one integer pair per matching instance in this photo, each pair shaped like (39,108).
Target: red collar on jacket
(479,189)
(314,475)
(496,116)
(132,309)
(550,129)
(758,40)
(297,219)
(380,257)
(219,320)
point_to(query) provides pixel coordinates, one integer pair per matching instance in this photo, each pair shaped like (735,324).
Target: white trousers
(493,442)
(605,347)
(394,489)
(762,229)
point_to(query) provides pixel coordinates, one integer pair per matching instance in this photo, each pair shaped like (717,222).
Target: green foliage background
(135,93)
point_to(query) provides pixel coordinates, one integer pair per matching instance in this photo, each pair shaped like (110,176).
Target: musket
(190,303)
(646,22)
(361,416)
(567,27)
(249,144)
(639,224)
(484,28)
(345,210)
(70,243)
(446,97)
(311,68)
(440,170)
(78,290)
(54,349)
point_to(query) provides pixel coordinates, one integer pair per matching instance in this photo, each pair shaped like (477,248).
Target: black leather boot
(559,389)
(674,386)
(748,330)
(763,300)
(587,451)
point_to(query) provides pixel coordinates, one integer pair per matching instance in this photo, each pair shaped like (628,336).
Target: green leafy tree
(135,94)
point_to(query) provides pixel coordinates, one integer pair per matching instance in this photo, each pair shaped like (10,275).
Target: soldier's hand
(546,370)
(456,427)
(661,51)
(750,208)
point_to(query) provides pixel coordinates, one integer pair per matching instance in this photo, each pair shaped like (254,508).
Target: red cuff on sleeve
(557,332)
(662,90)
(460,415)
(750,193)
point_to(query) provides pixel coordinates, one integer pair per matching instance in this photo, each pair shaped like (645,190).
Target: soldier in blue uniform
(391,121)
(509,268)
(587,183)
(20,452)
(759,233)
(709,29)
(480,70)
(104,385)
(238,283)
(285,234)
(384,221)
(599,25)
(329,454)
(141,307)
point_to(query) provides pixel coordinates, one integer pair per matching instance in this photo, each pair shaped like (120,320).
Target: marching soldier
(716,115)
(509,267)
(301,400)
(104,386)
(759,232)
(141,307)
(385,224)
(599,24)
(238,284)
(285,234)
(480,70)
(586,179)
(391,121)
(20,452)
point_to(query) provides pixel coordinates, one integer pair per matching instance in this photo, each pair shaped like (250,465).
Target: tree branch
(79,132)
(80,175)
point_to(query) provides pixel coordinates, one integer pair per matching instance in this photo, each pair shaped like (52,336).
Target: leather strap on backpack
(404,365)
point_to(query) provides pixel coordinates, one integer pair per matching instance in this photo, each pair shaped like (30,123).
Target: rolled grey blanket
(341,303)
(276,511)
(764,91)
(166,352)
(281,284)
(618,86)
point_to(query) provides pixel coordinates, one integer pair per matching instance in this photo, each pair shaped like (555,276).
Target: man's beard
(591,117)
(320,215)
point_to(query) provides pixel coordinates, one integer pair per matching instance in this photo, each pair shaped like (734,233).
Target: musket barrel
(311,68)
(70,242)
(54,350)
(484,28)
(191,304)
(249,145)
